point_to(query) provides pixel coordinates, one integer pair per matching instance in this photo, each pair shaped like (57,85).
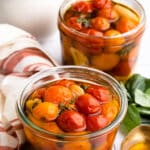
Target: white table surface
(52,44)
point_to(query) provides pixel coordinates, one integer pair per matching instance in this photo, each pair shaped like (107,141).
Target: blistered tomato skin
(57,94)
(99,3)
(101,93)
(93,32)
(46,111)
(88,104)
(66,83)
(83,7)
(71,121)
(100,23)
(73,23)
(96,122)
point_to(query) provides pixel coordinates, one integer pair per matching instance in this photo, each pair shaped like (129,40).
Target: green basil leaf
(132,119)
(144,111)
(135,82)
(142,98)
(147,83)
(148,91)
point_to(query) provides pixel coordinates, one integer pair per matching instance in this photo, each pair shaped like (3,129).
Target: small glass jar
(41,139)
(116,54)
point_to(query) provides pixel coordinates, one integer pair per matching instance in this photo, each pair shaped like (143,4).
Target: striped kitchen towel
(20,57)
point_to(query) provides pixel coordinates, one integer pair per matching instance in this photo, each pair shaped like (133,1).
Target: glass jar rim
(125,35)
(117,87)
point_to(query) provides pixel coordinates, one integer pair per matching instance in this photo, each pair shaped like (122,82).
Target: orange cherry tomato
(57,94)
(96,122)
(125,24)
(99,3)
(88,104)
(100,23)
(101,93)
(110,109)
(65,82)
(46,111)
(82,6)
(73,23)
(115,44)
(38,93)
(71,121)
(109,13)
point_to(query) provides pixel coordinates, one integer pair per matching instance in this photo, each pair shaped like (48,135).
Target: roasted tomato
(57,94)
(125,24)
(74,23)
(96,122)
(88,104)
(82,6)
(38,93)
(99,3)
(71,121)
(109,13)
(101,93)
(65,82)
(46,111)
(93,32)
(100,23)
(110,109)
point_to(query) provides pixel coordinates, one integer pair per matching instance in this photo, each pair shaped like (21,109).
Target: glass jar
(116,54)
(41,139)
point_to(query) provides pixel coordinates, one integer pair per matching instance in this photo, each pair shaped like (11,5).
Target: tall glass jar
(41,139)
(113,52)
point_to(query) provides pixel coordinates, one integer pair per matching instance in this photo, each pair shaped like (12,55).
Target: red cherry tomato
(71,121)
(84,7)
(88,104)
(101,93)
(99,3)
(57,94)
(93,32)
(96,122)
(66,83)
(73,23)
(100,23)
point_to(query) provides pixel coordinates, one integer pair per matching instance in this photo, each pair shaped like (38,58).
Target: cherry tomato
(73,23)
(39,93)
(110,109)
(101,93)
(88,104)
(65,82)
(125,24)
(96,122)
(93,32)
(100,23)
(108,4)
(124,68)
(115,44)
(57,94)
(46,111)
(99,3)
(82,6)
(71,121)
(109,13)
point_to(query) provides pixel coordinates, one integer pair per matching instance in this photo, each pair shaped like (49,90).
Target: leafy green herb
(132,118)
(138,91)
(142,98)
(84,21)
(144,111)
(135,82)
(126,49)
